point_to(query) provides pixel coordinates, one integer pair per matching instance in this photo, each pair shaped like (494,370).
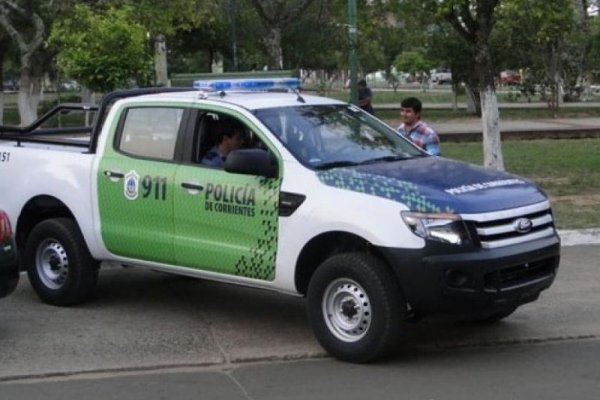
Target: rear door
(136,183)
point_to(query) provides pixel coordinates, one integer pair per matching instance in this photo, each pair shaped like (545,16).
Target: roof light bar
(251,84)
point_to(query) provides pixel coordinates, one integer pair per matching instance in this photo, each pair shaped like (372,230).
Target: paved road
(549,371)
(144,320)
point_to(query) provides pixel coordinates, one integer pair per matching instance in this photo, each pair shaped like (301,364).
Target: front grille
(502,228)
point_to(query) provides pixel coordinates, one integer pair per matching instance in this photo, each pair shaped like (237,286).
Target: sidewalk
(471,129)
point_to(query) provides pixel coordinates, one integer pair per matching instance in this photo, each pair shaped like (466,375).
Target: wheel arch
(325,245)
(38,209)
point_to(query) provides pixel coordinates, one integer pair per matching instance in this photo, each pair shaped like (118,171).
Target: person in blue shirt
(231,138)
(365,95)
(416,130)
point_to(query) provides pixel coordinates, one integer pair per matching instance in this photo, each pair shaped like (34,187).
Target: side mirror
(251,162)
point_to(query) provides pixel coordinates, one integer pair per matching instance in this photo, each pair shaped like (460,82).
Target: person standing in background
(416,130)
(365,96)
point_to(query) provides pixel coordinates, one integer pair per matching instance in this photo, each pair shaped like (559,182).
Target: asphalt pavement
(549,371)
(145,321)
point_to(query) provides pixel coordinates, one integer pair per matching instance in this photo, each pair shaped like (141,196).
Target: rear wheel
(355,307)
(59,264)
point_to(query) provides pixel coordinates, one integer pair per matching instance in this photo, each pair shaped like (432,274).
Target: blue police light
(250,84)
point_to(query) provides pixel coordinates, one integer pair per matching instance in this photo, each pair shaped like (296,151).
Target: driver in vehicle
(231,138)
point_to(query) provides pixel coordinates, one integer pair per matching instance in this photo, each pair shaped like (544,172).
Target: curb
(579,237)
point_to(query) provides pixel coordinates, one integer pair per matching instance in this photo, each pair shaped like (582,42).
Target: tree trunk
(490,117)
(216,66)
(35,95)
(160,61)
(273,44)
(26,113)
(1,87)
(2,107)
(473,100)
(454,97)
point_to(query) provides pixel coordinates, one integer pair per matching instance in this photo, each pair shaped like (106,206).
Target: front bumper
(440,279)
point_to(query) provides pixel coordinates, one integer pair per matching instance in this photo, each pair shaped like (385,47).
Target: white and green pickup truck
(322,200)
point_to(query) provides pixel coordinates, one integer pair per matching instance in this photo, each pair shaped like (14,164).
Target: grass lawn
(567,169)
(509,114)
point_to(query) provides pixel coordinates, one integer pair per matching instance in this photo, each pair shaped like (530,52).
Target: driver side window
(217,135)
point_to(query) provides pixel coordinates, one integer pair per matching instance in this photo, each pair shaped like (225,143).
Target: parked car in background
(9,266)
(441,76)
(10,84)
(510,78)
(70,86)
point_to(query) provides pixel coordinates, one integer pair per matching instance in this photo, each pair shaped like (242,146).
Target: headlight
(440,227)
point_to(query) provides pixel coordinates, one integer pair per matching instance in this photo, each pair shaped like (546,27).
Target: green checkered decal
(260,263)
(381,186)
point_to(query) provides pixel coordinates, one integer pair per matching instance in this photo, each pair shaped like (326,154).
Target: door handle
(114,174)
(192,186)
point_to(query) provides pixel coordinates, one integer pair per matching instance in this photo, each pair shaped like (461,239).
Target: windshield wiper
(385,159)
(337,164)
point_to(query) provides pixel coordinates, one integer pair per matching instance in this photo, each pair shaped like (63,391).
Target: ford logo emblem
(523,225)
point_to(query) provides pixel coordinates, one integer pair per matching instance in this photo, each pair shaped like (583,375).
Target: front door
(226,222)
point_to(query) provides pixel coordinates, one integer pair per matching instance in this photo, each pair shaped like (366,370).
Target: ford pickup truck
(321,200)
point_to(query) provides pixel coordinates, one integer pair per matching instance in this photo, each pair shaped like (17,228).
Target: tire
(59,264)
(355,307)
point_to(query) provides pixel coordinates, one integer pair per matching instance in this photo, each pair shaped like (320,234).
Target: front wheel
(355,307)
(59,264)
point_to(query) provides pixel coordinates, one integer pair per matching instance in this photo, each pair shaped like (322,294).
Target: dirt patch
(579,200)
(552,180)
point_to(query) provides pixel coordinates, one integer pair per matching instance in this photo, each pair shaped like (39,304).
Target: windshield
(327,136)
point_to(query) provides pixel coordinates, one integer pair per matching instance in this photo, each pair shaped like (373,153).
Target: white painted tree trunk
(1,107)
(160,61)
(35,94)
(490,118)
(27,114)
(216,66)
(273,44)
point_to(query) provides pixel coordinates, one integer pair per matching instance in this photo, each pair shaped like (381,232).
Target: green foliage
(169,16)
(102,50)
(413,62)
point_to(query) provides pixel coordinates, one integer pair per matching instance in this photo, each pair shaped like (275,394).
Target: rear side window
(150,132)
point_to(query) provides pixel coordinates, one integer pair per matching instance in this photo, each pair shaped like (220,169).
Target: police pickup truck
(321,200)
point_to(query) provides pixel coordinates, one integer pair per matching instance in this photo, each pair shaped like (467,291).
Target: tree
(474,21)
(446,48)
(26,28)
(5,47)
(277,15)
(102,50)
(415,63)
(163,18)
(541,35)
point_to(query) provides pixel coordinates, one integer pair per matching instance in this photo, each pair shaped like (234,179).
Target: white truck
(440,76)
(322,201)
